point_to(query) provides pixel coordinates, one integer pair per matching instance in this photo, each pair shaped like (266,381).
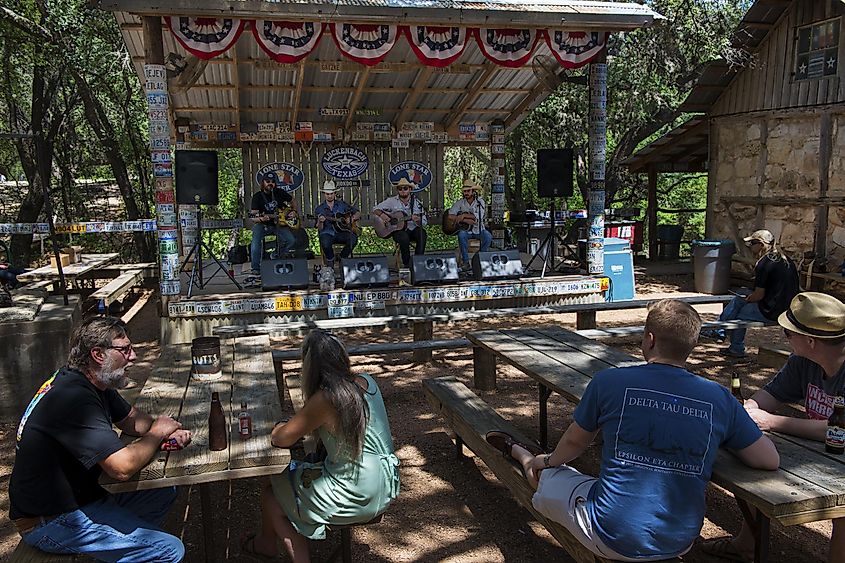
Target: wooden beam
(356,98)
(652,214)
(515,116)
(297,95)
(482,111)
(472,92)
(756,25)
(420,84)
(153,42)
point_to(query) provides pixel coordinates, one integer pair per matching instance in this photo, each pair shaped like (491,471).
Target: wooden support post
(484,369)
(423,330)
(585,320)
(652,214)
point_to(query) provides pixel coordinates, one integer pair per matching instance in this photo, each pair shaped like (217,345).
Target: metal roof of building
(243,86)
(683,149)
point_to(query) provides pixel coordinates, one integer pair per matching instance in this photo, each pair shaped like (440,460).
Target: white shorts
(562,497)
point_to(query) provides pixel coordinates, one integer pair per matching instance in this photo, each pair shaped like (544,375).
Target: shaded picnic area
(449,509)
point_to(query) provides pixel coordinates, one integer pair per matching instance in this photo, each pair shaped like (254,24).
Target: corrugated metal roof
(243,86)
(683,149)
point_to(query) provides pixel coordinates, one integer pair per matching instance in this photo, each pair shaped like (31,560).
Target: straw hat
(764,236)
(405,182)
(471,185)
(329,187)
(815,314)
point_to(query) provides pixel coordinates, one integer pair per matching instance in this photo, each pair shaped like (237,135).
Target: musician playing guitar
(335,219)
(267,203)
(469,214)
(404,208)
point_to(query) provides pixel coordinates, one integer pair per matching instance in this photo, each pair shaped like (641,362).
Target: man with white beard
(65,440)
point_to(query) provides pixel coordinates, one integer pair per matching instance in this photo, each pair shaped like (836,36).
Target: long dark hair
(325,366)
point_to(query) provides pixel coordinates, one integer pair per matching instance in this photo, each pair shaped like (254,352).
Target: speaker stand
(546,250)
(196,275)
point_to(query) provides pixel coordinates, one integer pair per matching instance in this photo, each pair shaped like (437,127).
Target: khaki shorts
(562,497)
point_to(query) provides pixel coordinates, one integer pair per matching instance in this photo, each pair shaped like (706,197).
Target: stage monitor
(196,177)
(554,172)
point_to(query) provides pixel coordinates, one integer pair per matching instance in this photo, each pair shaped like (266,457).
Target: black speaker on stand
(554,179)
(196,184)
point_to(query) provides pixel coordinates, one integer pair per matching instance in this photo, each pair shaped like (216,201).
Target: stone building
(773,135)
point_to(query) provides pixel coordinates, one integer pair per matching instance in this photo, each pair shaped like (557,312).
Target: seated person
(775,284)
(813,375)
(328,228)
(359,476)
(9,276)
(472,211)
(662,428)
(267,203)
(405,203)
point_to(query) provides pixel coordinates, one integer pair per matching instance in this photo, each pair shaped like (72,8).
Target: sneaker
(714,334)
(253,272)
(732,354)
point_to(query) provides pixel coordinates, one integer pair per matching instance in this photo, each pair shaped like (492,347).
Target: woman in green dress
(360,473)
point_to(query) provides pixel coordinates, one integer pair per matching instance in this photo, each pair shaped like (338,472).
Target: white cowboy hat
(815,314)
(329,187)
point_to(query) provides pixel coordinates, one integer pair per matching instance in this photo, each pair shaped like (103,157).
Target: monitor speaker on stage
(434,268)
(196,177)
(287,273)
(496,264)
(365,272)
(554,172)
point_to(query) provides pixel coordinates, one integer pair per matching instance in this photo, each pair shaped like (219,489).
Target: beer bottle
(834,442)
(244,423)
(736,387)
(217,431)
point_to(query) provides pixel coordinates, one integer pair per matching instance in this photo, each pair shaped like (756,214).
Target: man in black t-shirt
(775,284)
(267,203)
(65,440)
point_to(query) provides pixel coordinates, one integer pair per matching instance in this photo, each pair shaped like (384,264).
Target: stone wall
(771,156)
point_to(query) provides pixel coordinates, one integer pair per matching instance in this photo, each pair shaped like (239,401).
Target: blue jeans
(284,241)
(740,310)
(122,527)
(347,238)
(463,242)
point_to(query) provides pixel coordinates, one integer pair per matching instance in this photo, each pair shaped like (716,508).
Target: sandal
(504,442)
(248,549)
(724,548)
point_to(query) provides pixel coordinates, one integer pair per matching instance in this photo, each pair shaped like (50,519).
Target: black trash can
(711,259)
(669,237)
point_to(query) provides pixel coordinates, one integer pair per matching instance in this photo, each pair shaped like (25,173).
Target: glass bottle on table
(244,422)
(736,387)
(217,432)
(834,442)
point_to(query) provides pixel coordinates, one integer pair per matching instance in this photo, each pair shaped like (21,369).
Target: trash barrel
(205,357)
(711,260)
(669,237)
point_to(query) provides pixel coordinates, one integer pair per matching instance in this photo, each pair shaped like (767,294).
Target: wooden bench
(471,418)
(628,331)
(116,289)
(772,356)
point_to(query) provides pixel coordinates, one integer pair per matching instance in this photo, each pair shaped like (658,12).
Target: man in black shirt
(65,440)
(267,203)
(775,284)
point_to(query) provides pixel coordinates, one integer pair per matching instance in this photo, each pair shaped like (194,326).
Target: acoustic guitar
(451,225)
(343,222)
(284,217)
(396,221)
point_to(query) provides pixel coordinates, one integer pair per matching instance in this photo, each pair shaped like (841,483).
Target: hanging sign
(285,41)
(415,172)
(345,162)
(288,176)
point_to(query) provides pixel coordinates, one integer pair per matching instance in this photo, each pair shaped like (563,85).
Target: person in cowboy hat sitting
(663,427)
(411,208)
(266,202)
(813,375)
(327,229)
(472,211)
(775,284)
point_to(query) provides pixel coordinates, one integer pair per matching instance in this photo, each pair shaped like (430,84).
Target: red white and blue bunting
(507,46)
(206,37)
(287,42)
(574,49)
(436,45)
(367,44)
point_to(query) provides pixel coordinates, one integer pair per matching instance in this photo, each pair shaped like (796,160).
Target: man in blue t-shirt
(662,429)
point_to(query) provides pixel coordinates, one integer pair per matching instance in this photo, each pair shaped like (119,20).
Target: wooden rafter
(524,106)
(356,97)
(297,95)
(420,84)
(472,92)
(481,111)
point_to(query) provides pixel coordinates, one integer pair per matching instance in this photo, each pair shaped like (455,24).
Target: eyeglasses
(125,350)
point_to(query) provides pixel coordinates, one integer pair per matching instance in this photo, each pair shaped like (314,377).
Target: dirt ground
(449,510)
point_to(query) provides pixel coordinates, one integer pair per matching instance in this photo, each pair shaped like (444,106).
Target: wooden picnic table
(72,272)
(247,376)
(808,486)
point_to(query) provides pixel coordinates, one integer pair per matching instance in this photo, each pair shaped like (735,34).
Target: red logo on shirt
(819,405)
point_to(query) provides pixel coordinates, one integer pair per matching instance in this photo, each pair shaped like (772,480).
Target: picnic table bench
(72,272)
(809,485)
